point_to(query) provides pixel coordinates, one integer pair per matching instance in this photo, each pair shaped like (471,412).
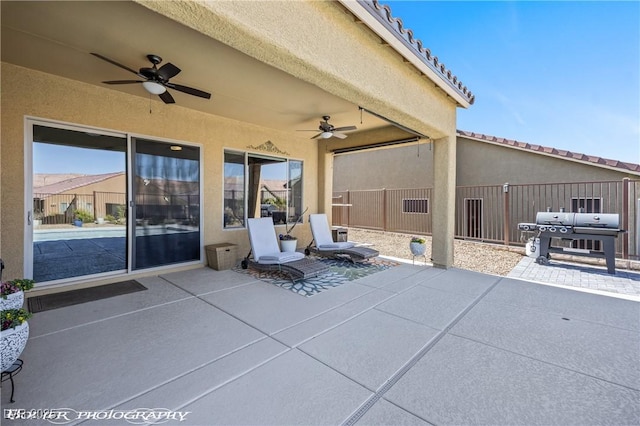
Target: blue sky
(563,74)
(49,158)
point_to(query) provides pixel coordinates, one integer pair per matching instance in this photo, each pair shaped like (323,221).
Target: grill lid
(555,218)
(597,220)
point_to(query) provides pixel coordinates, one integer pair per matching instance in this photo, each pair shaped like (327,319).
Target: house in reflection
(90,196)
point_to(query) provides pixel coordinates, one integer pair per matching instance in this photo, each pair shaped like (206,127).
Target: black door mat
(75,297)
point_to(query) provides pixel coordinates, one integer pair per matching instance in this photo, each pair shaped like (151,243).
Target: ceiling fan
(156,80)
(328,130)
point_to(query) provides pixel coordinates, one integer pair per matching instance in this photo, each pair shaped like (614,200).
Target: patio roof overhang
(391,30)
(249,81)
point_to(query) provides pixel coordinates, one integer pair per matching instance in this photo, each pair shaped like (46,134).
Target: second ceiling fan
(329,130)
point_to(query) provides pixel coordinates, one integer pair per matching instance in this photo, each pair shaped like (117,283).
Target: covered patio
(274,70)
(408,345)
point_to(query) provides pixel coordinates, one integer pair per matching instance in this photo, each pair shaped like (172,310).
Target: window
(419,205)
(234,171)
(294,185)
(261,186)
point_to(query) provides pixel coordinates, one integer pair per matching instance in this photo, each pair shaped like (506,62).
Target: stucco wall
(478,163)
(318,42)
(482,163)
(30,93)
(410,166)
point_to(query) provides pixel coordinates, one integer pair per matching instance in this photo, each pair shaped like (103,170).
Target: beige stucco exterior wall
(444,195)
(325,179)
(30,93)
(409,166)
(481,163)
(1,183)
(478,163)
(319,42)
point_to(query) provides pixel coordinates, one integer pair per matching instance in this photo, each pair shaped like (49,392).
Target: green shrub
(84,216)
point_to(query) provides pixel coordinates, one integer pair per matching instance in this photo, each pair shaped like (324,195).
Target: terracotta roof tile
(622,166)
(424,53)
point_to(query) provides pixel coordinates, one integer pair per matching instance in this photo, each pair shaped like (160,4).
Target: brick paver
(582,276)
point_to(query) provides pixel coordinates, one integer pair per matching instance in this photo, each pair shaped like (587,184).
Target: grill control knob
(543,228)
(552,229)
(563,230)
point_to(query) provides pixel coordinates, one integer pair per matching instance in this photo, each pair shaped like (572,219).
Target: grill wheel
(543,260)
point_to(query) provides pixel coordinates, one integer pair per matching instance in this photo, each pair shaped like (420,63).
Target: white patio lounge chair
(268,257)
(325,246)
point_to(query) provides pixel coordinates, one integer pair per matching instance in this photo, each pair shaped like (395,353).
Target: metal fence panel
(365,209)
(409,210)
(491,213)
(631,221)
(479,213)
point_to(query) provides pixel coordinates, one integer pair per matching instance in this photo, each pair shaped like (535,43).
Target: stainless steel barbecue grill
(603,227)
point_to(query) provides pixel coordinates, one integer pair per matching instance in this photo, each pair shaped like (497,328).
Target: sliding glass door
(78,218)
(166,194)
(104,203)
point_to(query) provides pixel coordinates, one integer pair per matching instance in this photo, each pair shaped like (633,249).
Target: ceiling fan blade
(339,135)
(345,128)
(124,67)
(189,90)
(167,98)
(122,82)
(316,136)
(168,70)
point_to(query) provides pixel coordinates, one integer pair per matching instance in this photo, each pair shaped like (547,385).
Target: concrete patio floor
(409,345)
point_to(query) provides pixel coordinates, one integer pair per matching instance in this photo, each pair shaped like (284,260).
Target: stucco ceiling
(57,37)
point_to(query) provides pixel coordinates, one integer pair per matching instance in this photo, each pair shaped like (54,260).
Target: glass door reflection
(166,195)
(79,196)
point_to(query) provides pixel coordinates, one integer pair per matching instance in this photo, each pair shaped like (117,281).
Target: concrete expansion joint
(362,410)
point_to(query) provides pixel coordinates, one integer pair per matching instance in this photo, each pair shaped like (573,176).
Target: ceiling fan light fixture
(154,88)
(326,135)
